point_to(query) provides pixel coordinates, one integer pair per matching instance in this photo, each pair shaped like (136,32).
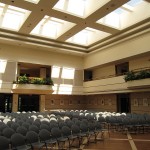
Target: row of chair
(46,138)
(117,121)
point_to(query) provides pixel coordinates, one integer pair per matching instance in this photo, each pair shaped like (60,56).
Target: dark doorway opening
(28,103)
(123,103)
(5,102)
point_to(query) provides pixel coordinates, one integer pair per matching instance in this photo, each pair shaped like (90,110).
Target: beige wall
(141,62)
(124,50)
(37,56)
(103,72)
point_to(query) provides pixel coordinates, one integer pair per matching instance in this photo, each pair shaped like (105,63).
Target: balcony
(107,85)
(143,83)
(32,89)
(32,85)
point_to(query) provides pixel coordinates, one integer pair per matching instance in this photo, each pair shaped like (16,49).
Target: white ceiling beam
(74,30)
(37,15)
(103,28)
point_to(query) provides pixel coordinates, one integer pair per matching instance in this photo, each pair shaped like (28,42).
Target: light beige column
(42,97)
(18,70)
(15,103)
(42,103)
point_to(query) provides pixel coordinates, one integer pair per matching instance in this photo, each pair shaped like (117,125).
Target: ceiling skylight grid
(72,13)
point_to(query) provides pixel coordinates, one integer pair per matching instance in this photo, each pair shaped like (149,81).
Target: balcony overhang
(32,89)
(143,83)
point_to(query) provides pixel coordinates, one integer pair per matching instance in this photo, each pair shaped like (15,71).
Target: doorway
(28,103)
(123,103)
(5,102)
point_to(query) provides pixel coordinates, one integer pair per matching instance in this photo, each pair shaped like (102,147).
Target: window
(55,72)
(68,73)
(88,75)
(122,68)
(3,64)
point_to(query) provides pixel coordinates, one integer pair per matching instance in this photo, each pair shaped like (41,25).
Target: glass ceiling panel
(68,73)
(51,27)
(107,20)
(12,17)
(119,11)
(70,6)
(124,16)
(87,36)
(32,1)
(134,3)
(1,4)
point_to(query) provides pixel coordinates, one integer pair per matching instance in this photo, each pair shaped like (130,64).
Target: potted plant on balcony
(34,85)
(138,79)
(33,80)
(143,74)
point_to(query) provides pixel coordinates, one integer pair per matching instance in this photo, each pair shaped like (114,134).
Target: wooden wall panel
(66,102)
(99,102)
(90,102)
(140,102)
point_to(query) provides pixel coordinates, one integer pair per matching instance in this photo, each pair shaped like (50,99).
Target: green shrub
(33,80)
(143,74)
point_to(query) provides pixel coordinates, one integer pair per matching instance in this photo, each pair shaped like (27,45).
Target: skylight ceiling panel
(122,17)
(112,19)
(93,5)
(2,5)
(81,8)
(33,1)
(141,12)
(1,11)
(96,35)
(87,36)
(134,3)
(75,7)
(51,27)
(13,17)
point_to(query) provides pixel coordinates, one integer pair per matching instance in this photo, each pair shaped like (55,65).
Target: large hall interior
(78,60)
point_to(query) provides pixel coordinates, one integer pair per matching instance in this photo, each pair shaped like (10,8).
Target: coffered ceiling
(72,26)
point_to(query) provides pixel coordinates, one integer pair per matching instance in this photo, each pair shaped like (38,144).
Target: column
(42,103)
(42,97)
(15,103)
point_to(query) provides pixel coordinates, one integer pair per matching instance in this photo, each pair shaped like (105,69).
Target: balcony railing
(32,85)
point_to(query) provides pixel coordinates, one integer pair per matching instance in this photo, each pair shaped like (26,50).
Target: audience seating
(72,124)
